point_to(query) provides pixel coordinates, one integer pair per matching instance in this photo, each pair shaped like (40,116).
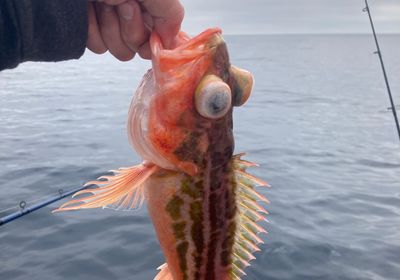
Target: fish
(203,203)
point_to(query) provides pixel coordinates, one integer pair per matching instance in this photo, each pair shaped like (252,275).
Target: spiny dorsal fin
(121,191)
(249,213)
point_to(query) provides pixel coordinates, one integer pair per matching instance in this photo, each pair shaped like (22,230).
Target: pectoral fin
(121,191)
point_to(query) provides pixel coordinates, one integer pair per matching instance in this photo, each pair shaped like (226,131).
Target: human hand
(123,27)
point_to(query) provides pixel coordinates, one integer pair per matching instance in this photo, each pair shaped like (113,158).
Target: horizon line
(311,33)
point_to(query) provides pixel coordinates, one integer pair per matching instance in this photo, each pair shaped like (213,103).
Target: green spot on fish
(188,150)
(196,214)
(190,188)
(182,249)
(174,207)
(179,230)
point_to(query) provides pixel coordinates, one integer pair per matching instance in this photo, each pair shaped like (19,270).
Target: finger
(167,18)
(144,51)
(133,31)
(110,32)
(94,41)
(112,2)
(148,21)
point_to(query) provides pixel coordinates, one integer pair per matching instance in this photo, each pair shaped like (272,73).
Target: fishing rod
(24,210)
(378,51)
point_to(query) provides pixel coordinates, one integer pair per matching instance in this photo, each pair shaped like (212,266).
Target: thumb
(167,16)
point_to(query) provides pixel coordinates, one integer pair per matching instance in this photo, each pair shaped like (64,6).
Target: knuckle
(97,49)
(144,53)
(96,46)
(123,56)
(134,40)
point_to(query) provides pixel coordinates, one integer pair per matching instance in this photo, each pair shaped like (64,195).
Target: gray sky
(290,16)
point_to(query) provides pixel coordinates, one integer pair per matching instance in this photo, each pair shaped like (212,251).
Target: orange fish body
(200,198)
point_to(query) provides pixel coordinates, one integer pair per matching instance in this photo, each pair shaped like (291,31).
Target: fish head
(193,90)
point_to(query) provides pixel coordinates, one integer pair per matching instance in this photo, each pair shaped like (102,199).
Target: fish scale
(210,246)
(225,249)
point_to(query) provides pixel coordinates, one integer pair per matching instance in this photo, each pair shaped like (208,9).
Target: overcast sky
(290,16)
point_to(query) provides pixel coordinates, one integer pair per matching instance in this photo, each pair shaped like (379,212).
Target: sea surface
(317,123)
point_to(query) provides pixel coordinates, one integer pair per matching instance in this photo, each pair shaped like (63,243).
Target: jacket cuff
(50,30)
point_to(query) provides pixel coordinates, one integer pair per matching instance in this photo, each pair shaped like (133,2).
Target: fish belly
(194,219)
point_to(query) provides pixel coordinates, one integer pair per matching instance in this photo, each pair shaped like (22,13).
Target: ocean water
(317,123)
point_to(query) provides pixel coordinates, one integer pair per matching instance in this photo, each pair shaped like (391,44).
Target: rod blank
(26,210)
(378,52)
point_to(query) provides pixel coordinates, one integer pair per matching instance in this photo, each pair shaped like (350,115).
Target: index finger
(167,18)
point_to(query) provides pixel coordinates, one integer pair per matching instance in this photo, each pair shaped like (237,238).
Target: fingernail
(148,21)
(126,11)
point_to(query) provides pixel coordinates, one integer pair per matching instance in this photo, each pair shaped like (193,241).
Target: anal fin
(121,191)
(164,273)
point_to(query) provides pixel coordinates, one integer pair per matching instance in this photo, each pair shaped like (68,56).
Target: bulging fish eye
(242,85)
(213,97)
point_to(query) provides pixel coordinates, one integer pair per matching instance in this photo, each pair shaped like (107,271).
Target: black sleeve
(41,30)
